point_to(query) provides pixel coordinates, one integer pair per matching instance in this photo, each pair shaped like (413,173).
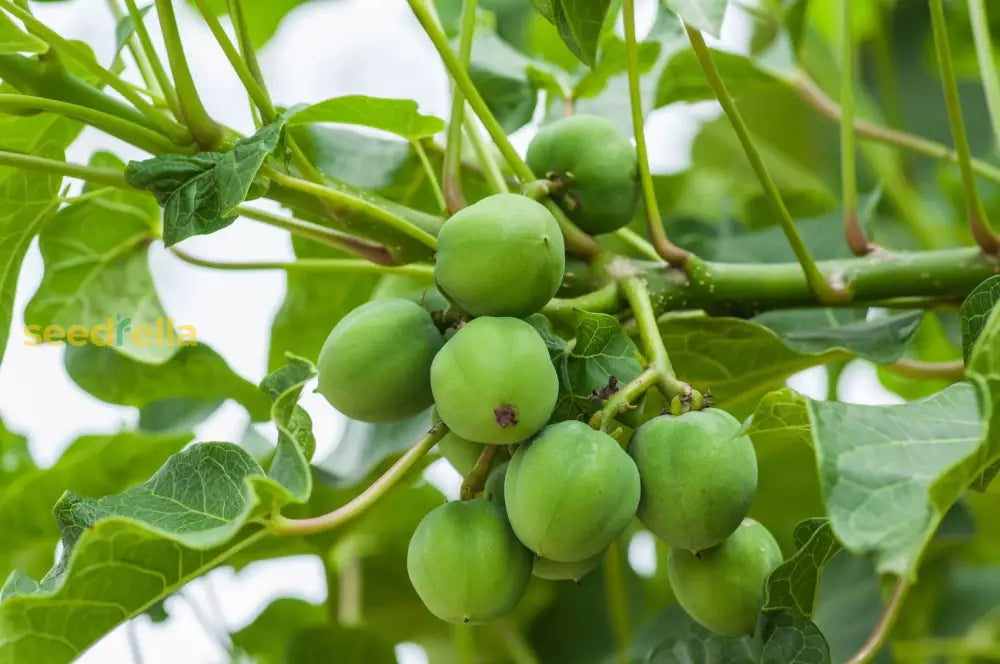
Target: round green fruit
(493,491)
(493,382)
(466,564)
(462,454)
(502,256)
(375,365)
(553,571)
(570,492)
(598,163)
(699,475)
(416,289)
(722,588)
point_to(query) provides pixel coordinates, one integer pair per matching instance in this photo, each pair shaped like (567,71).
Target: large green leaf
(97,270)
(262,16)
(122,553)
(195,372)
(296,443)
(500,73)
(199,193)
(795,583)
(984,370)
(396,116)
(705,15)
(613,62)
(683,80)
(975,310)
(91,466)
(580,23)
(29,197)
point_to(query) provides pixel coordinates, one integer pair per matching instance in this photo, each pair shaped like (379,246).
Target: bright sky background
(323,49)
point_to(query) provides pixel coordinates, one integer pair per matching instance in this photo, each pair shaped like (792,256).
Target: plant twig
(979,224)
(135,48)
(487,163)
(432,178)
(624,399)
(92,174)
(823,289)
(207,132)
(987,64)
(637,242)
(153,58)
(616,595)
(475,481)
(605,300)
(330,265)
(637,294)
(452,175)
(670,252)
(857,241)
(880,634)
(954,370)
(517,647)
(367,498)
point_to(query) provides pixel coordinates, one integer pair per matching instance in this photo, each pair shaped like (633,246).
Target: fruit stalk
(476,480)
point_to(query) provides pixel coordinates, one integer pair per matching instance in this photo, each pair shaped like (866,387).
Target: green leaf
(790,638)
(613,62)
(125,28)
(195,372)
(890,473)
(602,351)
(296,443)
(705,15)
(15,456)
(975,310)
(199,193)
(500,73)
(984,370)
(14,40)
(364,446)
(683,80)
(124,552)
(262,16)
(580,23)
(881,338)
(546,8)
(30,198)
(736,360)
(795,583)
(177,413)
(396,116)
(92,466)
(97,272)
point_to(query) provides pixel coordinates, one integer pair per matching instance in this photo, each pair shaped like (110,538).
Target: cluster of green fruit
(567,491)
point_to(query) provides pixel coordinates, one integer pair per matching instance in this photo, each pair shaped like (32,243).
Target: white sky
(323,49)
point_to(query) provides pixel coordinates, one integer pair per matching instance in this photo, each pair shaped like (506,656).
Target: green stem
(623,399)
(888,80)
(321,265)
(638,243)
(475,481)
(871,647)
(453,151)
(811,93)
(637,295)
(135,48)
(87,61)
(431,175)
(616,596)
(605,300)
(962,650)
(857,241)
(238,18)
(29,162)
(664,247)
(987,64)
(517,646)
(490,168)
(834,371)
(206,131)
(979,225)
(954,370)
(138,135)
(367,498)
(349,200)
(159,72)
(819,285)
(370,251)
(465,644)
(577,241)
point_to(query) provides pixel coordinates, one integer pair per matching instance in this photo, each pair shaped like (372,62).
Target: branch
(329,265)
(163,80)
(432,178)
(857,241)
(954,370)
(669,251)
(29,162)
(615,593)
(475,481)
(637,295)
(367,498)
(878,637)
(824,290)
(452,175)
(987,64)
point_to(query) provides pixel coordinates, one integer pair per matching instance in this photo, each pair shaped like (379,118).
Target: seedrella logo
(116,330)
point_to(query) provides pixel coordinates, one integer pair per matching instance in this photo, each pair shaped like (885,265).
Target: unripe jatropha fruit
(553,571)
(462,454)
(493,381)
(375,365)
(501,256)
(722,588)
(465,562)
(599,164)
(699,475)
(416,289)
(570,492)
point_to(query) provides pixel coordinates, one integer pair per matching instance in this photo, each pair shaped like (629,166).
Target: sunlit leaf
(396,116)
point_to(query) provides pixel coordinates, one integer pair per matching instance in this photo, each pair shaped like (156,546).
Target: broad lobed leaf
(396,116)
(794,584)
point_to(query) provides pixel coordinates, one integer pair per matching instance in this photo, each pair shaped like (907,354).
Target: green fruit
(502,256)
(699,475)
(722,588)
(375,364)
(466,564)
(493,382)
(416,289)
(462,454)
(570,492)
(494,484)
(553,571)
(600,165)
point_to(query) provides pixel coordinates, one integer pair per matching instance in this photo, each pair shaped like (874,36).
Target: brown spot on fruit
(505,416)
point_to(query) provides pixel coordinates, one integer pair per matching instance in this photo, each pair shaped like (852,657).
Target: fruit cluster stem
(637,295)
(475,481)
